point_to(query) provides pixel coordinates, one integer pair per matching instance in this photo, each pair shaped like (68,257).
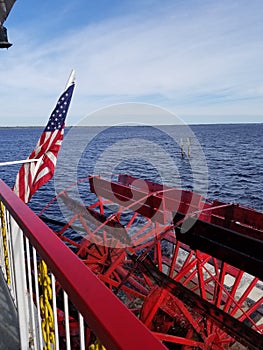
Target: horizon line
(108,125)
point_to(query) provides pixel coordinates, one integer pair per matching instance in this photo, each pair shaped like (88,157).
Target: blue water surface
(232,152)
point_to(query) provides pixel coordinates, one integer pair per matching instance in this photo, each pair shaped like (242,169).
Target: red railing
(110,320)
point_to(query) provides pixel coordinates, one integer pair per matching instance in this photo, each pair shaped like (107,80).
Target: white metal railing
(34,290)
(43,325)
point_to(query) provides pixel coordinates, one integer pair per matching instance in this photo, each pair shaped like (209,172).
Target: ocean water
(225,161)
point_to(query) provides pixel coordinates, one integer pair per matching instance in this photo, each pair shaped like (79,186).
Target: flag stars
(57,119)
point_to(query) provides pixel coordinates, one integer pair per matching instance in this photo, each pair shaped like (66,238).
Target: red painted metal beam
(112,322)
(235,217)
(153,205)
(246,216)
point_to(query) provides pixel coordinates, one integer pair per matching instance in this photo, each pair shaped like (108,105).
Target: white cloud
(195,61)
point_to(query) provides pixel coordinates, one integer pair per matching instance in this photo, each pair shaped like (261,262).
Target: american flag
(33,175)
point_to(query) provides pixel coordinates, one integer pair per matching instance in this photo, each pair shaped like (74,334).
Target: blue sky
(201,60)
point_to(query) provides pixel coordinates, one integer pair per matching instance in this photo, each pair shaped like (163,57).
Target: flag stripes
(32,176)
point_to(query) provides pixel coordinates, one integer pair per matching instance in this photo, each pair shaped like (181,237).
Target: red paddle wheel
(190,269)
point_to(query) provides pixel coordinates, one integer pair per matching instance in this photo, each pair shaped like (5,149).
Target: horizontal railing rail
(48,257)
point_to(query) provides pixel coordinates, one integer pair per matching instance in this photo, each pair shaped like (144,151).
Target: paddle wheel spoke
(182,286)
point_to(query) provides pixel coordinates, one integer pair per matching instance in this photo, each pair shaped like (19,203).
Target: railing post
(17,244)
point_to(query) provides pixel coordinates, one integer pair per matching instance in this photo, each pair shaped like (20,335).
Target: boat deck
(9,329)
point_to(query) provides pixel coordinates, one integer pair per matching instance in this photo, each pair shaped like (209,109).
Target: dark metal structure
(5,8)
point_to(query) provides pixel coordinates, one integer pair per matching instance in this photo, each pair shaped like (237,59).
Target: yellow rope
(46,308)
(3,229)
(97,346)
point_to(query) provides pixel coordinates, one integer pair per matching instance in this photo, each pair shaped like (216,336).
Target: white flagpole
(71,79)
(18,162)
